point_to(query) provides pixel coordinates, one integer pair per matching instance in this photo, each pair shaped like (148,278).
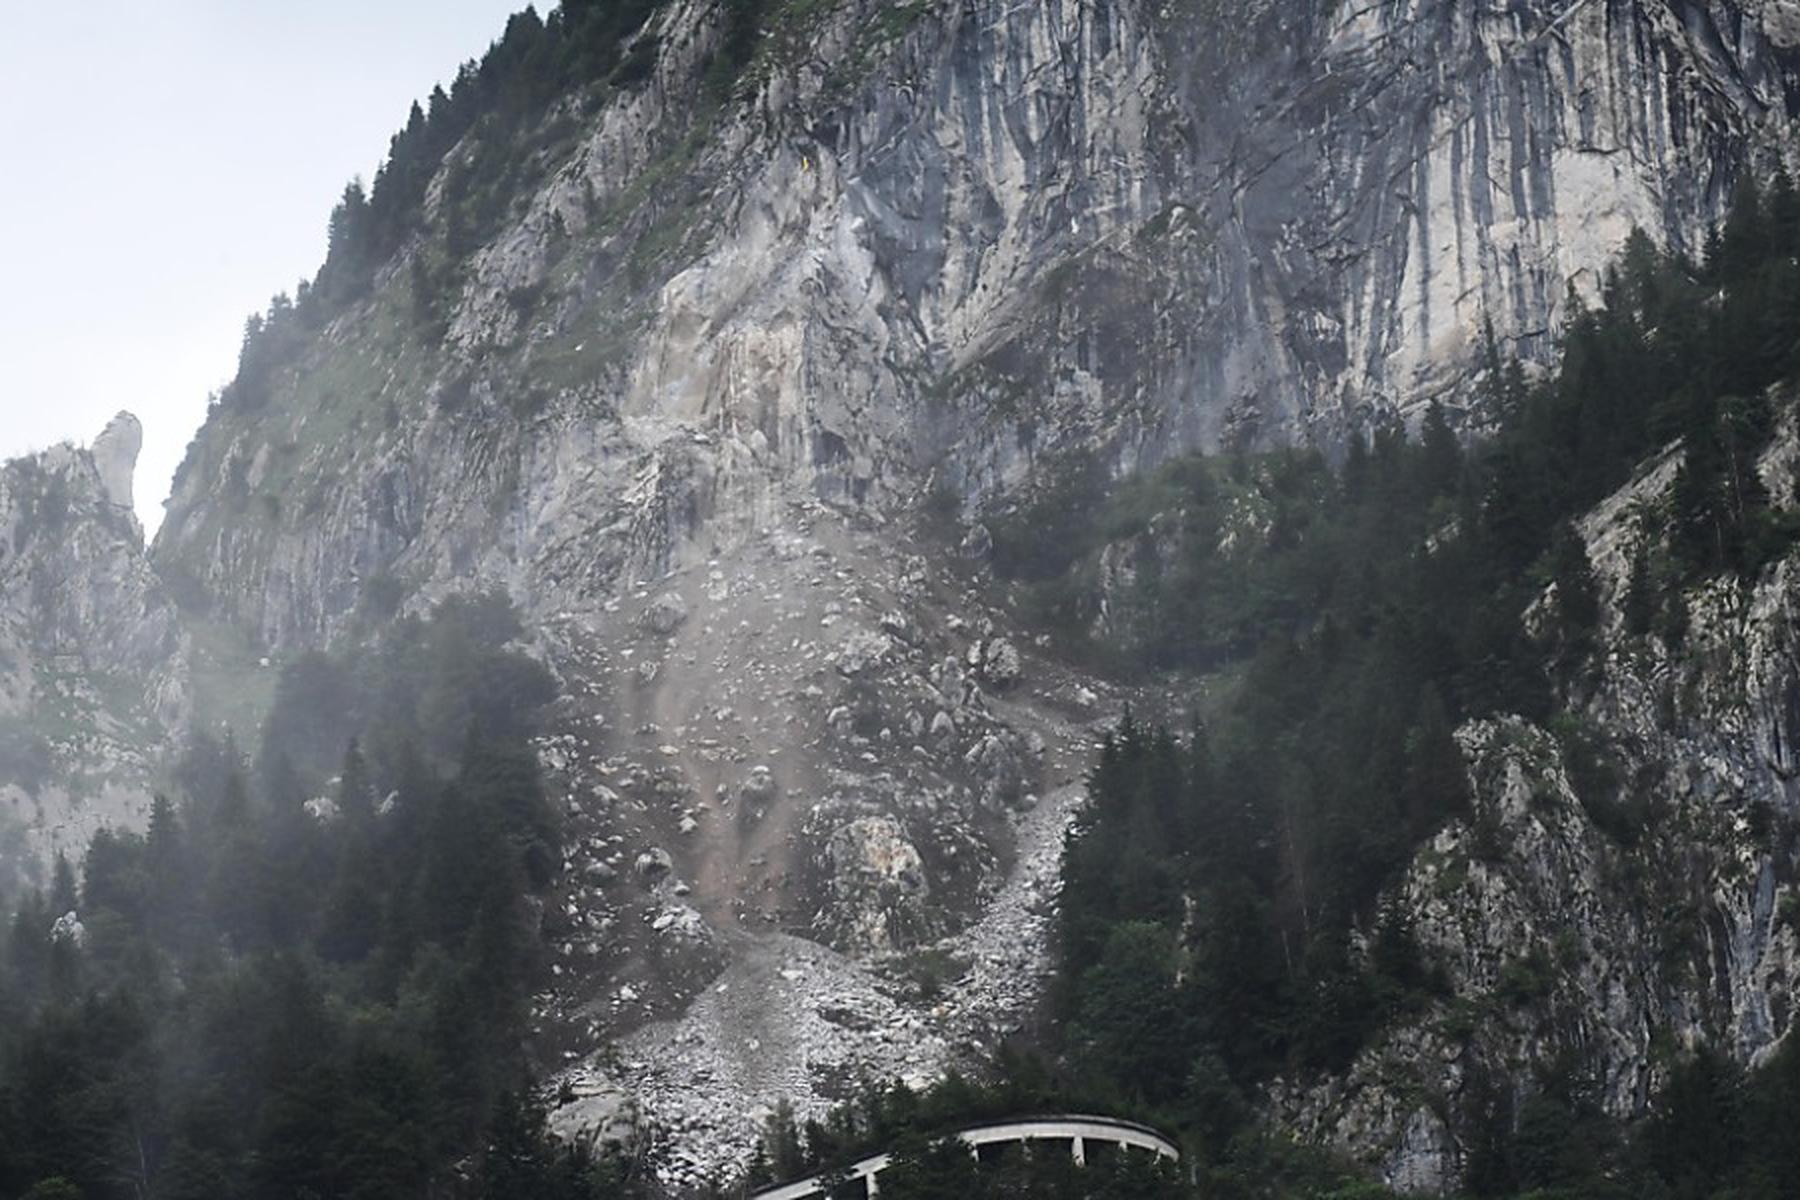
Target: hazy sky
(164,169)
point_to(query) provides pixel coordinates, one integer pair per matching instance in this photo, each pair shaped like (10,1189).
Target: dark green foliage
(743,25)
(271,1006)
(1130,1017)
(425,689)
(1221,919)
(517,1165)
(1457,542)
(495,109)
(1595,774)
(535,62)
(41,502)
(1577,604)
(1042,541)
(1697,1136)
(1237,840)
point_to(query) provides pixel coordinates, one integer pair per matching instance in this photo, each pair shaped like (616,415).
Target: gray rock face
(1000,663)
(654,865)
(880,890)
(93,672)
(68,928)
(115,454)
(665,614)
(595,1114)
(952,249)
(1598,923)
(760,787)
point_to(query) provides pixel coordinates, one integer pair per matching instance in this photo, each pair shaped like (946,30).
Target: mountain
(93,676)
(849,266)
(820,382)
(1619,891)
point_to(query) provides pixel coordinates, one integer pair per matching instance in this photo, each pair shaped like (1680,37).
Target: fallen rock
(978,543)
(760,787)
(322,809)
(879,887)
(665,614)
(1000,663)
(595,1114)
(68,928)
(863,651)
(654,864)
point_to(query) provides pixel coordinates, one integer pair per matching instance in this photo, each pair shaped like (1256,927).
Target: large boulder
(879,890)
(999,762)
(863,651)
(665,614)
(595,1114)
(654,865)
(68,928)
(1000,663)
(759,789)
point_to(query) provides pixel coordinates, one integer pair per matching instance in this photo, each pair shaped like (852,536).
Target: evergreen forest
(309,976)
(1222,922)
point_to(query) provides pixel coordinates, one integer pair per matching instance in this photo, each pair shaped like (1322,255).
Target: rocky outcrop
(115,454)
(944,244)
(596,1114)
(1624,887)
(879,885)
(93,671)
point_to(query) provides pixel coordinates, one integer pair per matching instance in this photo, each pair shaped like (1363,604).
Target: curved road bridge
(1077,1131)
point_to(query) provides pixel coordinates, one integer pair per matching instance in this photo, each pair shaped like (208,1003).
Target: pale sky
(164,169)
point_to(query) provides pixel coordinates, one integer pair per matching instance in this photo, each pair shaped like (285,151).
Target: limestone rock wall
(93,671)
(940,244)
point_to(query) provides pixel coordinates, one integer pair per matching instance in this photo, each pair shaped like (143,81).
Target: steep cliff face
(92,672)
(939,244)
(1604,913)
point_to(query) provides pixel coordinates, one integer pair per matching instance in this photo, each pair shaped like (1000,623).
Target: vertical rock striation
(947,244)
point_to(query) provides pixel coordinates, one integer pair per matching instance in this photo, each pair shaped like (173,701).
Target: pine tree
(63,892)
(1436,780)
(1640,593)
(1577,596)
(1440,458)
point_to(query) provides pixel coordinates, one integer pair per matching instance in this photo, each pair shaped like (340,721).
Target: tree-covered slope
(309,975)
(1480,850)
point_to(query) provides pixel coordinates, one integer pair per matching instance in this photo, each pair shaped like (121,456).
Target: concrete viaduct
(1078,1131)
